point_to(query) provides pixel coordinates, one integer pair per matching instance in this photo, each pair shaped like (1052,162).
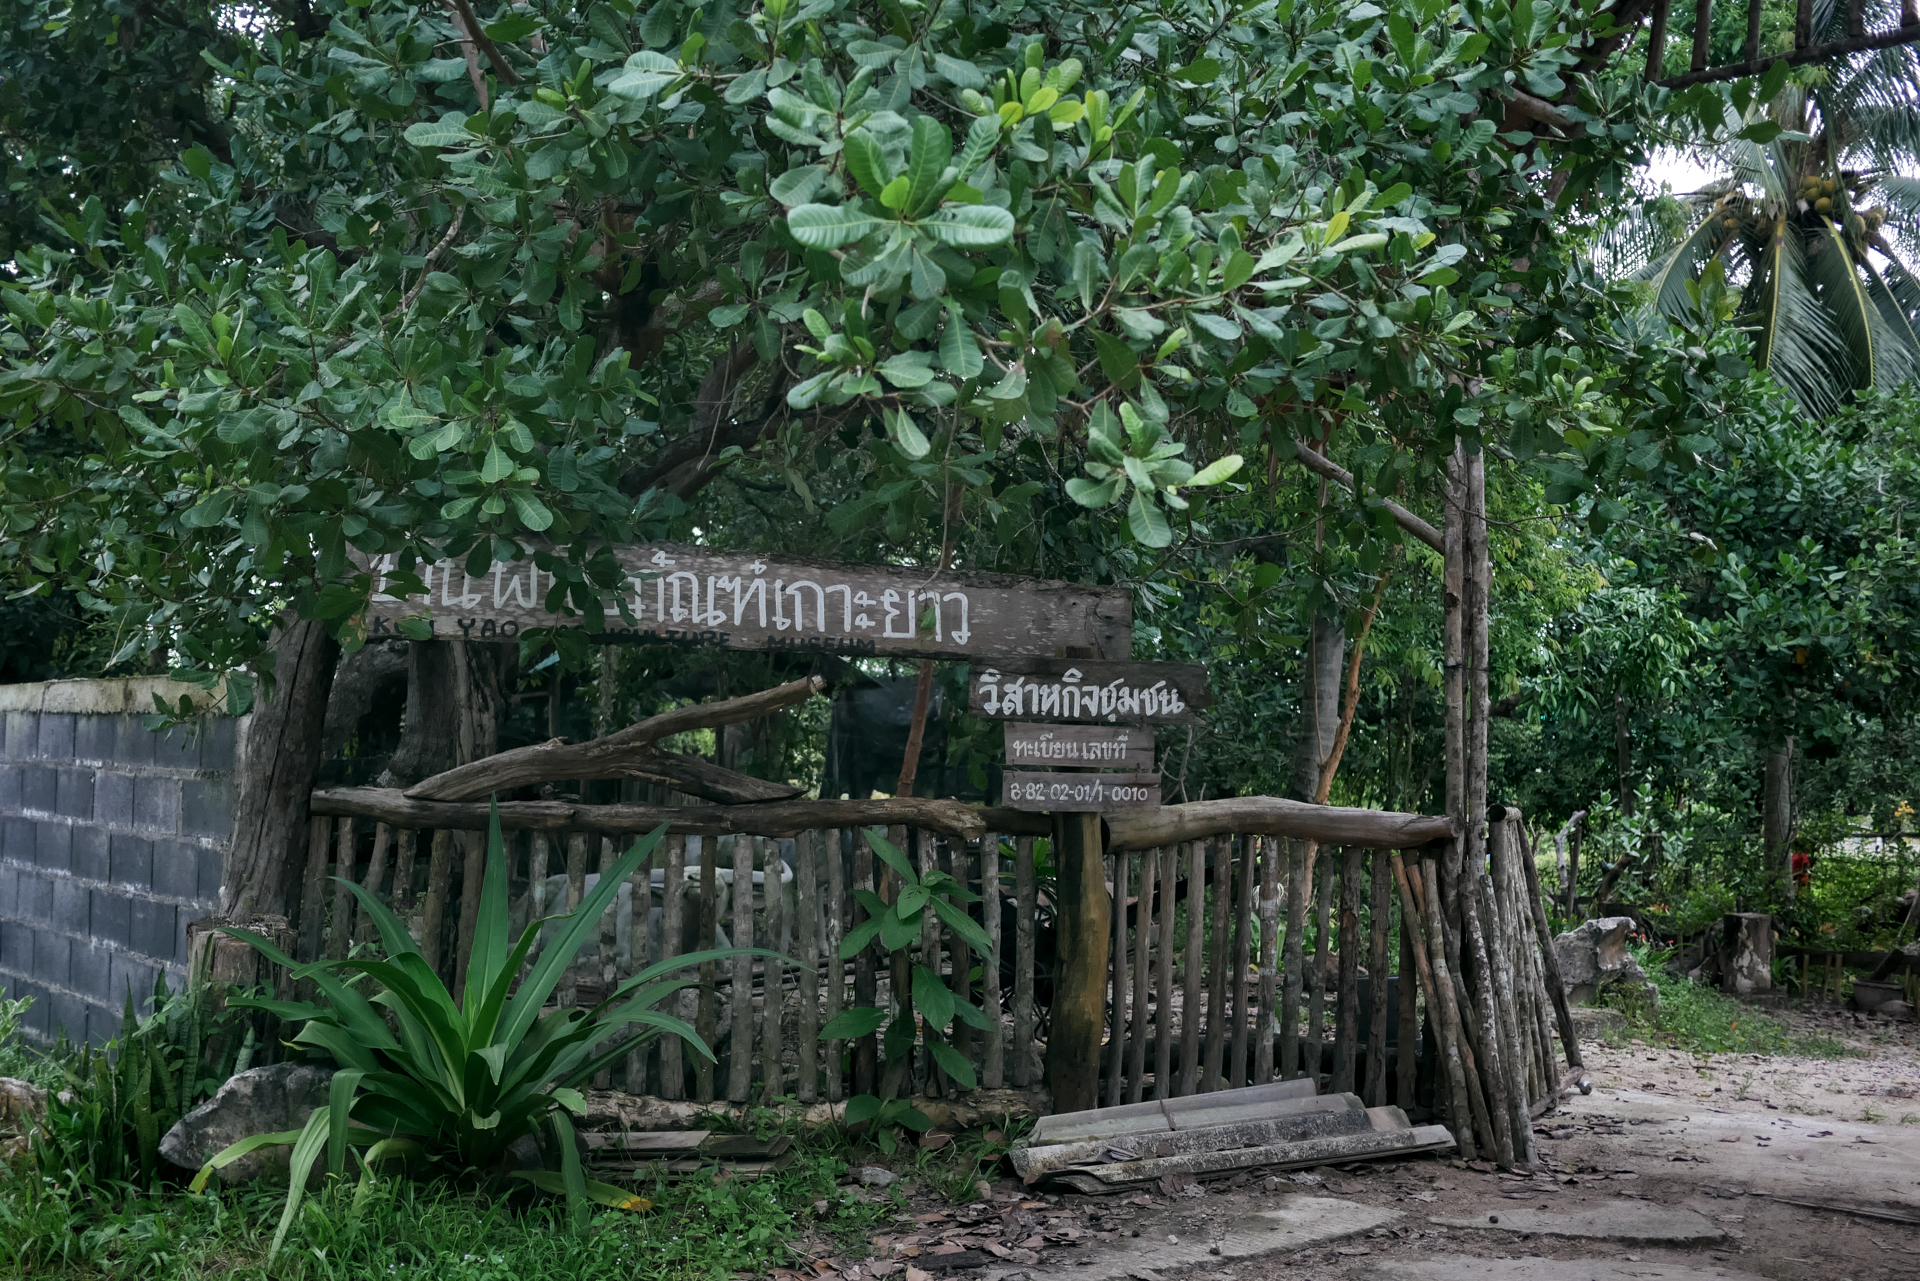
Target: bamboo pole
(341,931)
(1315,1037)
(1550,964)
(1455,1071)
(1215,1070)
(834,919)
(1024,893)
(376,874)
(638,911)
(959,970)
(1407,1077)
(1243,926)
(439,876)
(1493,1011)
(866,980)
(1473,1114)
(1163,981)
(773,986)
(806,950)
(1190,991)
(313,910)
(740,988)
(1117,1003)
(1142,979)
(406,843)
(673,906)
(707,1019)
(1346,1021)
(1269,955)
(1294,958)
(993,1077)
(1378,914)
(928,861)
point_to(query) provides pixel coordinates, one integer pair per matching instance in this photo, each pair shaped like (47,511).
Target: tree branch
(1323,466)
(465,17)
(629,753)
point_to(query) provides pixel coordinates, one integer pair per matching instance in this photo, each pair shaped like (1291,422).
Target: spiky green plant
(453,1085)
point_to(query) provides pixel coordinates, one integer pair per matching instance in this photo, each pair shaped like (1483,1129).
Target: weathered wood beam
(1540,111)
(630,753)
(1249,815)
(1320,465)
(771,818)
(1819,53)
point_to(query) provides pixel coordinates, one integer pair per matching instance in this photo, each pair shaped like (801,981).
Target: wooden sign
(1081,746)
(696,596)
(1071,689)
(1100,793)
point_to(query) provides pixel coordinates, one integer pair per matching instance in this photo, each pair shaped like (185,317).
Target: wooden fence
(1224,969)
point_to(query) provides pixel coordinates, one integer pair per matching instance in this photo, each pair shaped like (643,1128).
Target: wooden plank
(1163,979)
(960,959)
(1279,1156)
(1243,926)
(340,927)
(740,990)
(637,913)
(1087,689)
(1406,1077)
(1190,998)
(673,906)
(313,911)
(1030,1162)
(1023,961)
(1079,793)
(1082,746)
(1220,909)
(806,950)
(926,859)
(606,964)
(1314,1036)
(439,886)
(707,1018)
(1269,955)
(1117,984)
(866,979)
(637,1141)
(706,598)
(773,1001)
(1262,816)
(1346,1020)
(1226,1107)
(406,844)
(473,846)
(1142,976)
(1378,915)
(993,1075)
(1292,961)
(834,919)
(376,874)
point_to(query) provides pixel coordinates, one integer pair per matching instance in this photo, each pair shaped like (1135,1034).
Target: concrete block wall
(112,838)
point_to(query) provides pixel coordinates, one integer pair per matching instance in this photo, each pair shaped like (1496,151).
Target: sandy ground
(1760,1149)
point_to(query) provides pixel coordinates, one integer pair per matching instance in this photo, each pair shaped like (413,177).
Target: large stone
(1593,957)
(260,1100)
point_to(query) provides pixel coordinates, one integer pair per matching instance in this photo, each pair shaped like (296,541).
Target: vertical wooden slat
(773,1042)
(537,862)
(1220,909)
(1378,916)
(926,858)
(866,978)
(1269,955)
(638,915)
(406,843)
(473,868)
(1243,927)
(1023,961)
(1117,977)
(834,919)
(1753,34)
(1802,24)
(1190,989)
(806,950)
(1314,1037)
(1406,1077)
(959,956)
(673,906)
(439,885)
(740,1041)
(994,1070)
(1346,1023)
(1163,979)
(1657,40)
(313,908)
(1702,34)
(606,969)
(709,1013)
(376,874)
(1856,17)
(1293,958)
(340,928)
(1142,978)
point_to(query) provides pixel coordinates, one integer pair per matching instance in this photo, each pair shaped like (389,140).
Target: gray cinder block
(218,734)
(154,928)
(112,917)
(206,808)
(212,861)
(176,869)
(73,792)
(39,788)
(55,742)
(132,860)
(89,969)
(17,840)
(22,729)
(51,953)
(72,912)
(113,798)
(133,742)
(156,803)
(90,856)
(53,844)
(93,738)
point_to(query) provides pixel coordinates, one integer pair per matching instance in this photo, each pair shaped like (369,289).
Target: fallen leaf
(915,1274)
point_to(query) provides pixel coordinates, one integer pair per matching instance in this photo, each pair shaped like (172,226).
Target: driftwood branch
(1320,465)
(1249,815)
(772,818)
(630,753)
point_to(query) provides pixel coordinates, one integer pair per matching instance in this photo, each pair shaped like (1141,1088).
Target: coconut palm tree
(1816,224)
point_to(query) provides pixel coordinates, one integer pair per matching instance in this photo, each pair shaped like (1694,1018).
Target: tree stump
(1746,952)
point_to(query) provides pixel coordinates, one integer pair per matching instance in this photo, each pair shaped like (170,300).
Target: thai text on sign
(738,600)
(1080,746)
(1088,690)
(1079,792)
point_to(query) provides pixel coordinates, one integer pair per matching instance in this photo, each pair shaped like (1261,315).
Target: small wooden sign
(699,596)
(1078,746)
(1099,793)
(1074,689)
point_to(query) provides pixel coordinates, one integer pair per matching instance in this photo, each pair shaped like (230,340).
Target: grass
(409,1231)
(1702,1021)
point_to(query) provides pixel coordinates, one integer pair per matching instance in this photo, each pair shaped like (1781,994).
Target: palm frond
(1794,338)
(1670,272)
(1902,347)
(1866,346)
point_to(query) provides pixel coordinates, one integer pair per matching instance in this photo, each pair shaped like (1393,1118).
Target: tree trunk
(1623,753)
(279,755)
(456,698)
(1083,927)
(1319,703)
(1776,813)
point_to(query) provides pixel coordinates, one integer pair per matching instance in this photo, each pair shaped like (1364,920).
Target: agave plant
(453,1085)
(1816,193)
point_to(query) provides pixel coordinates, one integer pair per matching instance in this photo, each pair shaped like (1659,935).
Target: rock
(872,1176)
(1746,953)
(23,1105)
(1593,957)
(260,1100)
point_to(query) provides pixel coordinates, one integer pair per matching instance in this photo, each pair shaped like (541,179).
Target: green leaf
(796,186)
(983,135)
(497,466)
(960,73)
(866,162)
(1147,521)
(907,369)
(957,920)
(830,226)
(448,131)
(1089,494)
(926,160)
(932,998)
(646,74)
(1201,71)
(1215,472)
(954,1064)
(906,435)
(969,226)
(851,1025)
(959,352)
